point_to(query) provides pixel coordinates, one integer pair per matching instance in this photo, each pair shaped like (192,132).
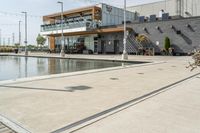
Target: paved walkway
(176,110)
(50,104)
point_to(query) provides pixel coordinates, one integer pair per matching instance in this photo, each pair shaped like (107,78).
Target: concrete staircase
(133,46)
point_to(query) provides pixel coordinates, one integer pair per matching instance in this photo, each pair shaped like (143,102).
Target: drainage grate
(114,79)
(140,73)
(5,129)
(77,88)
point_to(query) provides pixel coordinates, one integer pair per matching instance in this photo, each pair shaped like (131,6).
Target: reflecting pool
(13,67)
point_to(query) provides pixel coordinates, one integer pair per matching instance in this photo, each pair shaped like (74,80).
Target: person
(143,51)
(173,52)
(163,52)
(170,51)
(16,50)
(49,51)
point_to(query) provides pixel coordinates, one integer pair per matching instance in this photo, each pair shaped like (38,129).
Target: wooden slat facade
(93,10)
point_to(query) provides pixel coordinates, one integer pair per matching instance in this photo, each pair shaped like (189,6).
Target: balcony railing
(53,27)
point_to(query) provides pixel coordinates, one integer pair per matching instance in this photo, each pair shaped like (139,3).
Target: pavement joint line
(89,119)
(32,88)
(79,127)
(71,74)
(13,125)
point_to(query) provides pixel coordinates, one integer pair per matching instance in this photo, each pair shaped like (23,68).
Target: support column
(52,42)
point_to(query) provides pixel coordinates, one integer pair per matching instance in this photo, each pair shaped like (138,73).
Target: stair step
(5,129)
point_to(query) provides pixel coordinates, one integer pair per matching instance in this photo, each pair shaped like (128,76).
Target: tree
(40,40)
(142,39)
(167,43)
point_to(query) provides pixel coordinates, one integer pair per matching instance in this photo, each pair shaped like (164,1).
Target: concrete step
(5,129)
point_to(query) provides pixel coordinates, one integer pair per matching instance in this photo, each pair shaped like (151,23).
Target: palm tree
(143,39)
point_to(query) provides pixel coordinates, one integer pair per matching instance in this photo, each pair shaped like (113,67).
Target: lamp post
(26,52)
(0,36)
(125,54)
(20,33)
(62,52)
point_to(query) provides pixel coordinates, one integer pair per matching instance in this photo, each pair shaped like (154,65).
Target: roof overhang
(95,31)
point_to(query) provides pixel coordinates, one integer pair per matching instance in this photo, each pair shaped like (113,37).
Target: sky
(10,15)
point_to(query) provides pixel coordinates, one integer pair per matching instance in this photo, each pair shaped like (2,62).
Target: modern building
(184,8)
(99,28)
(95,28)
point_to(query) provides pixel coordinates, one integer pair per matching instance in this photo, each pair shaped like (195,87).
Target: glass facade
(73,43)
(68,23)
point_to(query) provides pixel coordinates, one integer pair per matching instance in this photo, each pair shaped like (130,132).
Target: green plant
(196,63)
(40,40)
(142,38)
(167,44)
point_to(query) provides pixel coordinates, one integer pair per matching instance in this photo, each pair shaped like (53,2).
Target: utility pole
(19,33)
(192,8)
(62,52)
(13,39)
(26,52)
(125,54)
(8,40)
(4,41)
(0,36)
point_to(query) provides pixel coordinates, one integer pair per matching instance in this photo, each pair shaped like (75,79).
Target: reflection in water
(13,67)
(26,73)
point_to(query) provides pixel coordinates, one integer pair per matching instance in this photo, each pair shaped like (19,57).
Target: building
(99,29)
(95,29)
(184,8)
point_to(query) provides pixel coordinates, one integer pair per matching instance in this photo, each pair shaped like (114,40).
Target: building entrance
(116,46)
(103,47)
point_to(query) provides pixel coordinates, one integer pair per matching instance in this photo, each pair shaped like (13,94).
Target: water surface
(13,67)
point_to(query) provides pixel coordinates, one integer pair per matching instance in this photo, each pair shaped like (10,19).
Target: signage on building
(108,8)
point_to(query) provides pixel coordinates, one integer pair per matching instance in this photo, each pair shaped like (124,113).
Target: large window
(71,42)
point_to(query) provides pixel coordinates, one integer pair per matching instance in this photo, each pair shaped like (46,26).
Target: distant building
(184,8)
(99,29)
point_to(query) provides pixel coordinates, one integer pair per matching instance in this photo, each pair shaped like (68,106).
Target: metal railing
(135,46)
(51,27)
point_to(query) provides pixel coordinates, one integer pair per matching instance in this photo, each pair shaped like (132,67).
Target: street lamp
(125,54)
(26,52)
(20,33)
(0,36)
(62,52)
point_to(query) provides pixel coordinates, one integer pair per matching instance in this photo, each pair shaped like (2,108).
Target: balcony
(73,26)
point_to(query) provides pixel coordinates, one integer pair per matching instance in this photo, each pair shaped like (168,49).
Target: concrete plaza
(53,104)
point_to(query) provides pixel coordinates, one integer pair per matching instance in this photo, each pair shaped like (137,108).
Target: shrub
(167,44)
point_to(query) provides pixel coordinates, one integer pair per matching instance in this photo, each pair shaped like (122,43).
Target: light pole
(0,36)
(26,52)
(124,54)
(20,33)
(62,52)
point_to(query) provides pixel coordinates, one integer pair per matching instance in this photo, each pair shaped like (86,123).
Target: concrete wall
(186,42)
(173,7)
